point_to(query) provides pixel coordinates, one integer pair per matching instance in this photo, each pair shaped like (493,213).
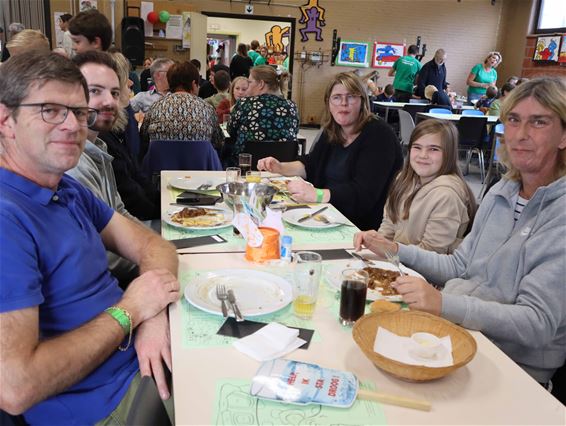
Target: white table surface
(456,117)
(308,240)
(490,390)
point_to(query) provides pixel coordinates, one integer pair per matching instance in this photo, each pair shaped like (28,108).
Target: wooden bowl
(405,323)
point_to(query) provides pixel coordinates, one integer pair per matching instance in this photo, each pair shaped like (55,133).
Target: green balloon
(164,16)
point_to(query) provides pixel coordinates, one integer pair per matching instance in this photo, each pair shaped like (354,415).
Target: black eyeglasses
(57,113)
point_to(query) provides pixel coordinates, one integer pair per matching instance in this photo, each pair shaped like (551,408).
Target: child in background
(387,95)
(485,101)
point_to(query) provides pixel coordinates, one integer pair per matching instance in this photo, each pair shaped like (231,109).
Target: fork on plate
(394,259)
(222,295)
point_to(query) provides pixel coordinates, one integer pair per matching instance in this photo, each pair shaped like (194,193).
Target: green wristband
(319,195)
(122,317)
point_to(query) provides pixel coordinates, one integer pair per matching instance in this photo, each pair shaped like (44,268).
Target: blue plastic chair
(180,155)
(473,112)
(439,111)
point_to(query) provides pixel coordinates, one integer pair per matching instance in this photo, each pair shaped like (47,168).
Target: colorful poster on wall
(85,5)
(186,30)
(353,54)
(562,54)
(385,54)
(546,48)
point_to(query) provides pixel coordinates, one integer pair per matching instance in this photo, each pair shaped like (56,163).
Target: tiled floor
(473,178)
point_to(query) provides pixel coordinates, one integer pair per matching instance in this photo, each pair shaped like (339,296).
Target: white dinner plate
(190,183)
(333,276)
(257,293)
(224,221)
(293,216)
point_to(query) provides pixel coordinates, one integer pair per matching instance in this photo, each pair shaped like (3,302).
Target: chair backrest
(472,131)
(147,407)
(414,108)
(406,126)
(472,112)
(497,133)
(439,111)
(180,155)
(283,151)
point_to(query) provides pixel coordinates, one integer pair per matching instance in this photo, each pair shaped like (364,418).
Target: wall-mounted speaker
(133,39)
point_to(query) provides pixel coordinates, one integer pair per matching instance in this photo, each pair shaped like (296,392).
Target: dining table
(400,105)
(491,119)
(211,378)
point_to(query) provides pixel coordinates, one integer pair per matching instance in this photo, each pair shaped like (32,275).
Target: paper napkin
(392,346)
(270,342)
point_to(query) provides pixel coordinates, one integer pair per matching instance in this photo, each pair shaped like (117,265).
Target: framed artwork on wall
(546,48)
(353,54)
(385,54)
(562,54)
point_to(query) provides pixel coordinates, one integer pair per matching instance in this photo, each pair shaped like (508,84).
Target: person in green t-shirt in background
(482,76)
(262,57)
(252,52)
(405,69)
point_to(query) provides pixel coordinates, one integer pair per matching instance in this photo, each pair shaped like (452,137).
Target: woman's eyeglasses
(339,99)
(57,113)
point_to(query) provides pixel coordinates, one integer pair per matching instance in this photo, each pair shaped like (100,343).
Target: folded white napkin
(270,342)
(392,346)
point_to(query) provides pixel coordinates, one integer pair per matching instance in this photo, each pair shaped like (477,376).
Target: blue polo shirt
(52,257)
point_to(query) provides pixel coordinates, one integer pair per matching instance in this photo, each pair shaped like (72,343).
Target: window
(551,16)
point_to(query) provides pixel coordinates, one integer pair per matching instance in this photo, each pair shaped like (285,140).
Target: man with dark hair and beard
(94,169)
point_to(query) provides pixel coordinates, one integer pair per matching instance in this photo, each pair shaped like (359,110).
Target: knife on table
(234,306)
(310,216)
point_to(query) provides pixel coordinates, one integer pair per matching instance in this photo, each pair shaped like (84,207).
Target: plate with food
(257,293)
(199,217)
(324,220)
(279,183)
(381,275)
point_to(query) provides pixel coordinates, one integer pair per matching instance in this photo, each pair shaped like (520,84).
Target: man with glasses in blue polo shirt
(70,339)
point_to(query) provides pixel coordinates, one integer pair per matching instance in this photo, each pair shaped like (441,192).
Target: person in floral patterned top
(263,115)
(182,115)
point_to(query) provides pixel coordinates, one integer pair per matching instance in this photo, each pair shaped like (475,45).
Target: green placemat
(234,406)
(199,327)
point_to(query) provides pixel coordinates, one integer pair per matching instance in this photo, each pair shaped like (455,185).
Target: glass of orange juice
(307,269)
(253,177)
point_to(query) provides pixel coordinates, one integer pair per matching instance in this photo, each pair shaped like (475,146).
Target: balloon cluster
(154,17)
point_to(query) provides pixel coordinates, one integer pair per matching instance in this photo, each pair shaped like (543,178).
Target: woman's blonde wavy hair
(550,92)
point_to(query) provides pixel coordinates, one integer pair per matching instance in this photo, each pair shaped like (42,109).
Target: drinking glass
(353,295)
(233,174)
(245,163)
(253,177)
(307,269)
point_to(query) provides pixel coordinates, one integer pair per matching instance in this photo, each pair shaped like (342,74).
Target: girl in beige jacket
(429,204)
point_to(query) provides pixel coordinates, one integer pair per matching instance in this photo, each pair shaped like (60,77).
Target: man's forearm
(159,254)
(53,364)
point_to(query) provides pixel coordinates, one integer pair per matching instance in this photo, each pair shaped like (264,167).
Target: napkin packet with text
(250,230)
(270,342)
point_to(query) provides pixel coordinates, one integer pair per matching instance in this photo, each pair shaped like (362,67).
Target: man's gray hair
(158,65)
(16,27)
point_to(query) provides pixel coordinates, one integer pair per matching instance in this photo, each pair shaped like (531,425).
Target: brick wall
(538,68)
(467,30)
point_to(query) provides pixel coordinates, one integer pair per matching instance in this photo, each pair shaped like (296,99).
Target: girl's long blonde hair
(407,183)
